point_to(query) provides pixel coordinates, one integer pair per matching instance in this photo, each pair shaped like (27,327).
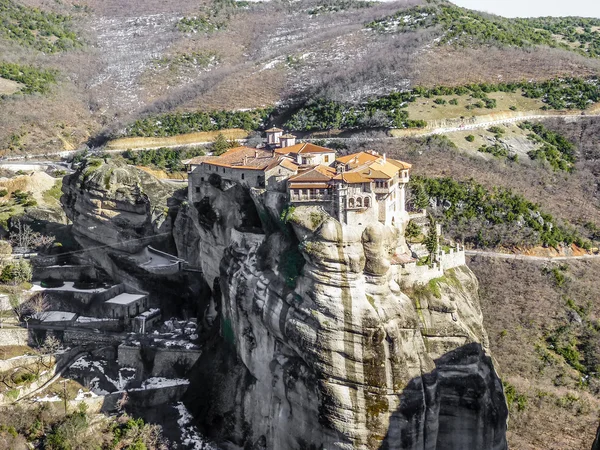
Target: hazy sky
(533,8)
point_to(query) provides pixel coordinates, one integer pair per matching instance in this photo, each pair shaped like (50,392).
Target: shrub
(180,123)
(555,149)
(412,230)
(470,138)
(35,80)
(488,218)
(45,31)
(18,272)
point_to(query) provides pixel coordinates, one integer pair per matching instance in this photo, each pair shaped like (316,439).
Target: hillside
(442,87)
(106,64)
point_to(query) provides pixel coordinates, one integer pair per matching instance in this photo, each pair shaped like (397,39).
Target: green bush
(413,230)
(497,150)
(470,138)
(555,149)
(169,159)
(464,27)
(17,272)
(483,217)
(202,23)
(34,79)
(180,123)
(45,31)
(513,397)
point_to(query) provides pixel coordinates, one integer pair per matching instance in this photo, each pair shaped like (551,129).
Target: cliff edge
(320,342)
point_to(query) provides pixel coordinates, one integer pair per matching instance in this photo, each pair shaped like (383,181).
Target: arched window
(359,202)
(351,203)
(367,202)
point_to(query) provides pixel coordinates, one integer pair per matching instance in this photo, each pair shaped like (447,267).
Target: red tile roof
(314,174)
(250,159)
(303,147)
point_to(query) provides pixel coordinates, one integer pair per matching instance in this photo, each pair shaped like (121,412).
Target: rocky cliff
(310,340)
(320,347)
(116,204)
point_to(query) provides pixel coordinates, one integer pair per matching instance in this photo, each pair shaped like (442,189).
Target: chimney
(384,158)
(255,154)
(245,160)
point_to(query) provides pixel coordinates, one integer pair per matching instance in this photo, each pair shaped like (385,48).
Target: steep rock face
(116,204)
(335,355)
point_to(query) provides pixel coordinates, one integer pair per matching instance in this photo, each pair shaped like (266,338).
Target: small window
(367,202)
(201,178)
(223,169)
(243,175)
(326,158)
(197,189)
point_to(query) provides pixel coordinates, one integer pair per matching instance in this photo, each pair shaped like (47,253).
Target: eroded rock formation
(311,339)
(117,204)
(334,354)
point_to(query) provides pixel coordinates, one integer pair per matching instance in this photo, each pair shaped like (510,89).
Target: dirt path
(487,254)
(409,133)
(505,122)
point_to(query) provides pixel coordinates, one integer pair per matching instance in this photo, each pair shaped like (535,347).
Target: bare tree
(25,238)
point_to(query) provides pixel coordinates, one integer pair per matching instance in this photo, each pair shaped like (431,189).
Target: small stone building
(307,154)
(251,167)
(363,188)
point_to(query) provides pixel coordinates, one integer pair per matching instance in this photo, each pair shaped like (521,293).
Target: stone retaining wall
(64,273)
(14,336)
(166,362)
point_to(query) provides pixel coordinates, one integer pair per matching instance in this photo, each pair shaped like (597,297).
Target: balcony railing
(381,190)
(310,198)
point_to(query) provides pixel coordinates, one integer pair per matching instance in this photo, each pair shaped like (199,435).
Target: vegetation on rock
(163,158)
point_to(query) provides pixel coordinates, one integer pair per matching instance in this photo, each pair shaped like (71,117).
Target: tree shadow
(460,405)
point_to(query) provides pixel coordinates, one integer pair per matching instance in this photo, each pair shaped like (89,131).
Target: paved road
(527,257)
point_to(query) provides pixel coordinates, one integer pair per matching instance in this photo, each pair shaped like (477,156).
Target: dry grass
(426,109)
(520,303)
(484,137)
(8,87)
(174,141)
(12,351)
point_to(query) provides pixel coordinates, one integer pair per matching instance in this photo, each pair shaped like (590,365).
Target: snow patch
(190,438)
